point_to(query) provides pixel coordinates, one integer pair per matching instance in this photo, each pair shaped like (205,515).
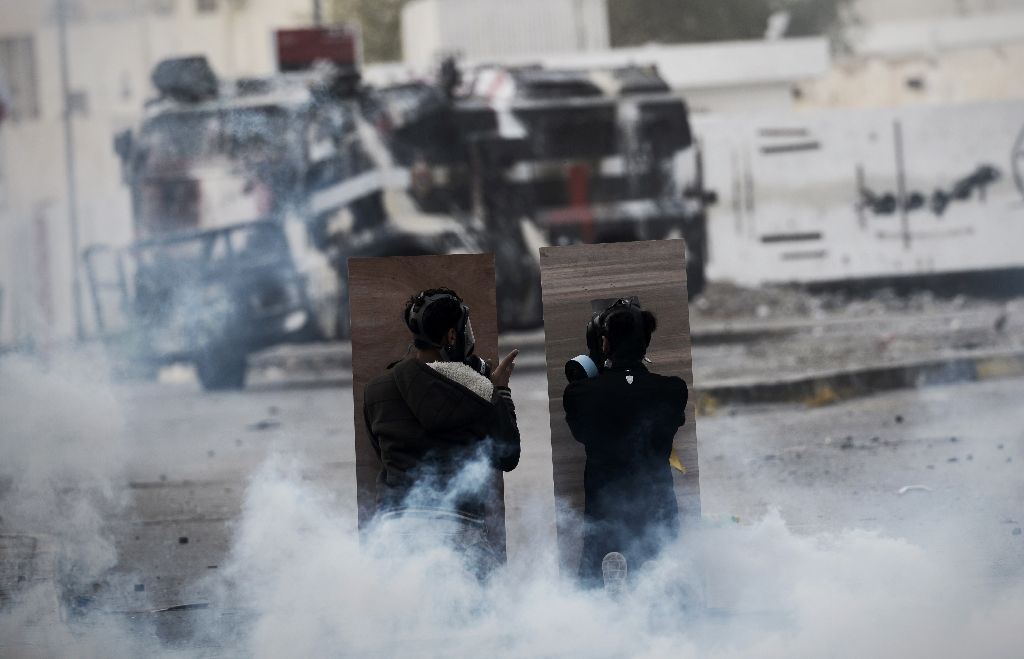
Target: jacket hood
(466,376)
(443,395)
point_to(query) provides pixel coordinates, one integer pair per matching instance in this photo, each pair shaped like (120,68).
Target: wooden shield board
(572,278)
(378,291)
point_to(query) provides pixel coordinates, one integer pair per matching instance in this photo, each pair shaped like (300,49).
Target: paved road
(830,468)
(191,454)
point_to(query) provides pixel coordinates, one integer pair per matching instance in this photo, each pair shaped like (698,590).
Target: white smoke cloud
(720,591)
(300,581)
(63,449)
(62,442)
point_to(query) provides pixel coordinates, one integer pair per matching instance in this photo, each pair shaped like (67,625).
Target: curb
(323,357)
(812,389)
(824,388)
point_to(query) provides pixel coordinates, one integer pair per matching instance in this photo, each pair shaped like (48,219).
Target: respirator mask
(465,340)
(595,361)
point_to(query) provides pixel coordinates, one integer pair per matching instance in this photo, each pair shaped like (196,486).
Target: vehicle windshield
(180,261)
(180,139)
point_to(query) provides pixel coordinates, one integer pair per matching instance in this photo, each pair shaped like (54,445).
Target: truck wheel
(221,371)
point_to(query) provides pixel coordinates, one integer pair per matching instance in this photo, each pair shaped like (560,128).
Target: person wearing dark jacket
(626,418)
(432,415)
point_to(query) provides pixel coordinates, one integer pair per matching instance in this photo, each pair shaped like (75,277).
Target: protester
(433,416)
(626,418)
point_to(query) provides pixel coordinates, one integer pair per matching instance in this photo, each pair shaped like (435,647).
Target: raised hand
(500,376)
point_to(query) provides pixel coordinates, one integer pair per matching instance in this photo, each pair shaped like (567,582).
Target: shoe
(614,571)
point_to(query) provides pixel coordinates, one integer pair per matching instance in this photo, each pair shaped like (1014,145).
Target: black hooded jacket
(626,418)
(426,422)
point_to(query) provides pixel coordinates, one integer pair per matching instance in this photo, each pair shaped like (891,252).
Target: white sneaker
(614,571)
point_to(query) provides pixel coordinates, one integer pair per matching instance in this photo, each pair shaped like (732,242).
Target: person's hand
(500,376)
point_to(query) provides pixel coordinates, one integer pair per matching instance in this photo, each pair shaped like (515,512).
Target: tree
(632,22)
(636,22)
(380,22)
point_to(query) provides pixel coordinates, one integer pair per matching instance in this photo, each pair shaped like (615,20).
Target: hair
(626,341)
(442,315)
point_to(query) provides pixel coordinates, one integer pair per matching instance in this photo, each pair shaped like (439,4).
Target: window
(206,6)
(19,89)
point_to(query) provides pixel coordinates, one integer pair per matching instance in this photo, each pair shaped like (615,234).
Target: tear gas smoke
(308,585)
(62,443)
(63,454)
(315,589)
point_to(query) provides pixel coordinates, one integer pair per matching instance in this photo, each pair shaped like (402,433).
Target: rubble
(265,424)
(913,488)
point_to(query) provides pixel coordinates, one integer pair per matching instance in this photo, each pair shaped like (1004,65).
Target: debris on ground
(265,424)
(913,488)
(183,540)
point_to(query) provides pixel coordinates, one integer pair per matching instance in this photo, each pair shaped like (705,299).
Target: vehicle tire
(222,370)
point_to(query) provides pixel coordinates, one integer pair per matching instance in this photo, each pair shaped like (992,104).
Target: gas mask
(463,350)
(595,361)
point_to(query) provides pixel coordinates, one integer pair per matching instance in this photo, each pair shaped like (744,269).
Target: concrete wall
(977,74)
(881,11)
(113,46)
(791,192)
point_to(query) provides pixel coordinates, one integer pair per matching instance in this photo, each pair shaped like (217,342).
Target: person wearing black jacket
(432,415)
(626,418)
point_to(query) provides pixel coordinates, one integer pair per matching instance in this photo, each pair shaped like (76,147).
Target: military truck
(492,159)
(581,155)
(205,297)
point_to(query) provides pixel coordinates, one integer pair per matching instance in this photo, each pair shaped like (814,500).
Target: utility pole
(318,12)
(69,162)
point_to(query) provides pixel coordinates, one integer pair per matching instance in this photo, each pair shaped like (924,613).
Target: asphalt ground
(937,465)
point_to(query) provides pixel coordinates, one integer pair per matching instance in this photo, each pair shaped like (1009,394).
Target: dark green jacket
(427,422)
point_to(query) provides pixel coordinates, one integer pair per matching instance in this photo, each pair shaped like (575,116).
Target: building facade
(112,47)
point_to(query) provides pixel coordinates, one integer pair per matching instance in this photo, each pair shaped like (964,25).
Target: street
(207,522)
(825,469)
